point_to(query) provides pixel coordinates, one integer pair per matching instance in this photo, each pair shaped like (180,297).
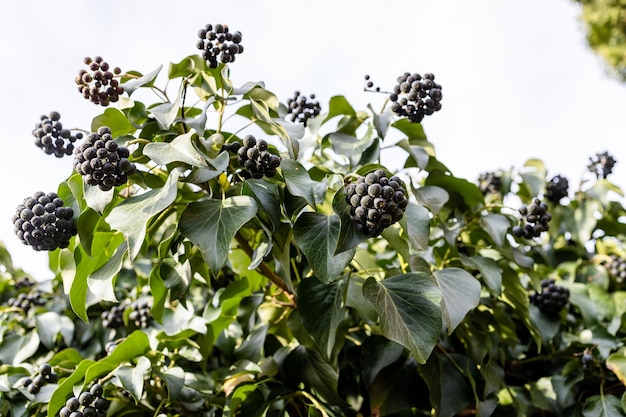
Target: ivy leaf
(351,234)
(298,180)
(212,224)
(409,310)
(432,197)
(174,380)
(457,188)
(603,406)
(65,388)
(616,362)
(145,80)
(317,235)
(267,196)
(377,353)
(418,153)
(321,309)
(489,269)
(97,199)
(50,324)
(16,348)
(100,282)
(217,166)
(449,390)
(115,120)
(131,377)
(460,293)
(306,366)
(338,105)
(132,215)
(496,226)
(166,113)
(181,149)
(416,222)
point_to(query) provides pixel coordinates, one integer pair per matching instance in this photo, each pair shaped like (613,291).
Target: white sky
(518,79)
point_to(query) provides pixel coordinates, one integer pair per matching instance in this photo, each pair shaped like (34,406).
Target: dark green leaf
(496,225)
(409,310)
(449,389)
(432,197)
(267,196)
(417,220)
(212,224)
(306,366)
(606,405)
(463,189)
(460,293)
(378,352)
(131,377)
(317,235)
(298,181)
(351,234)
(490,271)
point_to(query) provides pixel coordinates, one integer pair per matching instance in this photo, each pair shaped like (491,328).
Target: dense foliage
(240,260)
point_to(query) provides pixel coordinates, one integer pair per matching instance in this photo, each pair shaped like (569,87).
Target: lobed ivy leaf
(409,310)
(317,235)
(605,405)
(132,377)
(460,293)
(115,120)
(212,224)
(432,197)
(496,226)
(146,80)
(132,215)
(306,366)
(181,149)
(165,113)
(298,180)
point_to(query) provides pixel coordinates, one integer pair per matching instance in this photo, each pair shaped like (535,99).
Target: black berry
(218,44)
(300,108)
(556,189)
(52,138)
(602,165)
(534,220)
(97,83)
(551,299)
(416,96)
(254,157)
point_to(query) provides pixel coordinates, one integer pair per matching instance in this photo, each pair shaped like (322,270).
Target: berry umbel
(376,202)
(52,138)
(556,189)
(27,301)
(551,299)
(535,220)
(300,108)
(45,375)
(42,222)
(617,267)
(217,43)
(254,157)
(102,162)
(602,165)
(97,83)
(89,403)
(416,96)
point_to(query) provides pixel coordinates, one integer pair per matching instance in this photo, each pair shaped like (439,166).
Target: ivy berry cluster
(300,108)
(88,404)
(489,183)
(552,298)
(102,162)
(140,314)
(45,375)
(23,282)
(602,165)
(376,202)
(416,96)
(617,267)
(557,188)
(97,83)
(216,41)
(535,220)
(253,155)
(27,301)
(43,222)
(114,317)
(52,138)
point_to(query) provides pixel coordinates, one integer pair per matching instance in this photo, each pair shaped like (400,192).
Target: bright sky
(518,79)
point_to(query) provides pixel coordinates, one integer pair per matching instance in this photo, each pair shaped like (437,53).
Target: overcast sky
(518,79)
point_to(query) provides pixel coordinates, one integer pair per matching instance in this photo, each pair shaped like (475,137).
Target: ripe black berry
(300,108)
(416,96)
(617,268)
(551,299)
(140,314)
(602,165)
(27,301)
(43,222)
(489,183)
(556,189)
(23,282)
(217,43)
(52,138)
(376,201)
(89,403)
(98,84)
(535,220)
(113,318)
(254,157)
(101,163)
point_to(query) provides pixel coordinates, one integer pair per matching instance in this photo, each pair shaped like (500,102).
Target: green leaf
(489,269)
(449,390)
(432,197)
(145,80)
(306,366)
(298,181)
(132,215)
(134,345)
(216,167)
(50,324)
(616,363)
(409,310)
(496,226)
(377,353)
(412,130)
(418,153)
(267,196)
(461,188)
(131,377)
(174,380)
(350,234)
(66,386)
(176,276)
(417,220)
(101,281)
(181,149)
(322,311)
(16,348)
(460,293)
(115,120)
(97,199)
(603,406)
(166,113)
(212,224)
(338,105)
(317,235)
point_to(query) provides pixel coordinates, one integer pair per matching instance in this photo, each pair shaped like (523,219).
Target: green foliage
(246,296)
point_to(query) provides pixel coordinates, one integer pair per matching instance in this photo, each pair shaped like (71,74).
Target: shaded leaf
(306,366)
(298,180)
(460,293)
(603,406)
(432,197)
(489,269)
(496,225)
(417,220)
(131,377)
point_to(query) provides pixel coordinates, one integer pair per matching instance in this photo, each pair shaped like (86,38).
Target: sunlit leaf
(181,149)
(131,377)
(115,120)
(143,81)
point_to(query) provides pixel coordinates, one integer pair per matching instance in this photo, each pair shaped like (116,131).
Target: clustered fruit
(301,109)
(114,317)
(140,314)
(551,299)
(88,404)
(602,165)
(27,301)
(98,84)
(102,162)
(43,222)
(217,42)
(617,267)
(556,189)
(416,96)
(376,202)
(369,84)
(489,183)
(52,138)
(45,375)
(23,282)
(535,220)
(253,155)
